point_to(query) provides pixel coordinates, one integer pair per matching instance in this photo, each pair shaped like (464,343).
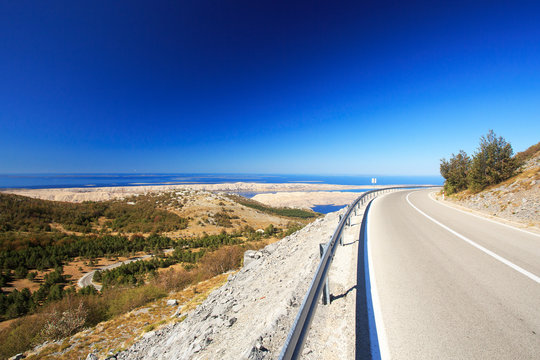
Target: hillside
(185,237)
(238,315)
(516,199)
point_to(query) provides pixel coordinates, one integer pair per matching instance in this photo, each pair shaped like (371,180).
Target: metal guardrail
(298,333)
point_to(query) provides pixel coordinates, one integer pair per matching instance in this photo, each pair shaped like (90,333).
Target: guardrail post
(326,288)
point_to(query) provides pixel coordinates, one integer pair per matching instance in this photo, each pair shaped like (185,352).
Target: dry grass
(6,324)
(532,151)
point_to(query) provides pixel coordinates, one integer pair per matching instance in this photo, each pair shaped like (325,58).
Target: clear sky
(299,87)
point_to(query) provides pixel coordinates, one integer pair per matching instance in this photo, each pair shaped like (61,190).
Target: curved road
(449,285)
(87,278)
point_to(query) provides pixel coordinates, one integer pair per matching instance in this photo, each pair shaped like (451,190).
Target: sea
(51,181)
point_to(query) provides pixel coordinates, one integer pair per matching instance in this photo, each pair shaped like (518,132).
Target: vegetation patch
(284,211)
(138,214)
(492,164)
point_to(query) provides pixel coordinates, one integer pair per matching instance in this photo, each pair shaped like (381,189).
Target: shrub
(292,228)
(175,280)
(61,323)
(222,260)
(223,219)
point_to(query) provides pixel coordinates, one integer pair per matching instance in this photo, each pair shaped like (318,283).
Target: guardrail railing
(298,333)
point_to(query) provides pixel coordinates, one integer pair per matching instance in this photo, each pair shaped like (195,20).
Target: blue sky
(305,87)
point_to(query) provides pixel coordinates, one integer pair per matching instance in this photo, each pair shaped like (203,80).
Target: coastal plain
(296,195)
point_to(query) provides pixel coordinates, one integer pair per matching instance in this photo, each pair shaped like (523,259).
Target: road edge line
(483,217)
(384,351)
(480,247)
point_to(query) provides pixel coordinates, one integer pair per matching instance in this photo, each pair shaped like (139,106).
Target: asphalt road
(452,286)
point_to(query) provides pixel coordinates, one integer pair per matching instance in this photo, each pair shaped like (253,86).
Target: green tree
(56,292)
(97,276)
(455,172)
(492,163)
(88,290)
(31,275)
(270,230)
(21,272)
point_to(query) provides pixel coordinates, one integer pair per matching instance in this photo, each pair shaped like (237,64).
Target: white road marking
(483,217)
(379,323)
(489,252)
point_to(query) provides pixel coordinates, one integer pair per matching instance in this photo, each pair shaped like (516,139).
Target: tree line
(20,215)
(492,163)
(18,303)
(135,273)
(17,263)
(73,246)
(281,211)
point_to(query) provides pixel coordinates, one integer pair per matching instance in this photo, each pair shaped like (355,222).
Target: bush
(492,163)
(223,219)
(222,260)
(64,322)
(292,228)
(176,280)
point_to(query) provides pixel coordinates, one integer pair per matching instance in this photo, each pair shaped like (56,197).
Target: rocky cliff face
(249,317)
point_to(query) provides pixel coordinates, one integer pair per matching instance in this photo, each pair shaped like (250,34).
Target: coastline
(306,199)
(110,193)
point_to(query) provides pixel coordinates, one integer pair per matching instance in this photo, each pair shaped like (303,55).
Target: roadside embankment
(250,316)
(516,200)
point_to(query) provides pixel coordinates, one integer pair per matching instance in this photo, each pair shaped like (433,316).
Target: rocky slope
(249,317)
(517,199)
